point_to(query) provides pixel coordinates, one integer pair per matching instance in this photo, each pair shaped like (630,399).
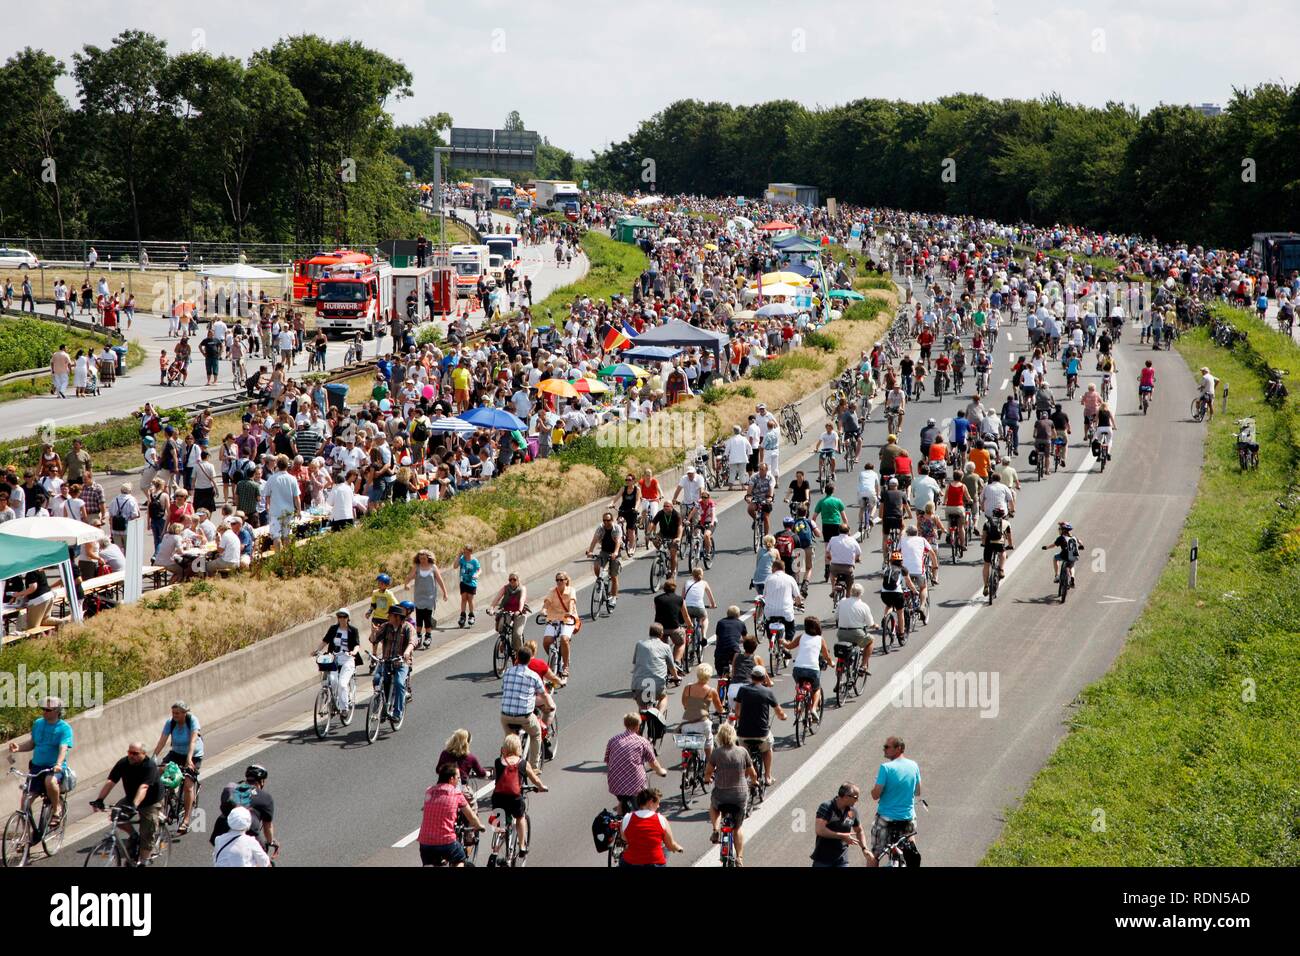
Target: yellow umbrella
(789,278)
(712,247)
(557,386)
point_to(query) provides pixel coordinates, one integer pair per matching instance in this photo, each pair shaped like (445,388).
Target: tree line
(294,145)
(1171,173)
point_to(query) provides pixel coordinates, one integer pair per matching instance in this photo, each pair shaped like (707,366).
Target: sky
(584,73)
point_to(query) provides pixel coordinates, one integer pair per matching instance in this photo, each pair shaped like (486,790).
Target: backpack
(420,433)
(993,530)
(893,575)
(237,795)
(785,545)
(508,781)
(1072,549)
(602,830)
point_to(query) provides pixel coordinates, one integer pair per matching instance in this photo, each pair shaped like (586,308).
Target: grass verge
(1188,745)
(614,267)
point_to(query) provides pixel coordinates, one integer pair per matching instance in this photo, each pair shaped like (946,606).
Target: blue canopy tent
(796,244)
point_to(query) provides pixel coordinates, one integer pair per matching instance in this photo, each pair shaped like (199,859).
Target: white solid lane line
(780,797)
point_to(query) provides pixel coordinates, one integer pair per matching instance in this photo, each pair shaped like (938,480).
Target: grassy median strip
(1185,754)
(137,645)
(614,267)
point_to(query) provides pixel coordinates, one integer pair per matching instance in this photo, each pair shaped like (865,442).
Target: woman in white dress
(80,372)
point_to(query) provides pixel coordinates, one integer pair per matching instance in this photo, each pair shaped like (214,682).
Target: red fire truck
(352,298)
(308,272)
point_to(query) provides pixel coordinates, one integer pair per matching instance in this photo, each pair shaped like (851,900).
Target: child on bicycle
(1067,552)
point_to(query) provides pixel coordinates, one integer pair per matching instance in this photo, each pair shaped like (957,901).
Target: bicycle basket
(69,779)
(843,650)
(690,741)
(326,662)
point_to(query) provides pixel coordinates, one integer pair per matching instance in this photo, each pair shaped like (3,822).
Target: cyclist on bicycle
(651,499)
(608,537)
(667,527)
(1071,370)
(1043,441)
(956,499)
(687,493)
(851,431)
(1061,432)
(941,366)
(759,491)
(626,757)
(828,445)
(844,552)
(810,652)
(185,736)
(1147,381)
(1067,552)
(896,588)
(730,771)
(895,408)
(628,504)
(1205,392)
(50,742)
(560,608)
(996,538)
(705,515)
(509,772)
(898,784)
(445,803)
(142,792)
(395,640)
(510,608)
(1107,425)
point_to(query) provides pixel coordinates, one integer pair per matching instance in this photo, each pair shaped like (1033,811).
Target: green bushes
(29,343)
(114,433)
(820,340)
(866,310)
(776,368)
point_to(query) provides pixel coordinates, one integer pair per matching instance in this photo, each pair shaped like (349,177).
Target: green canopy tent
(20,555)
(625,229)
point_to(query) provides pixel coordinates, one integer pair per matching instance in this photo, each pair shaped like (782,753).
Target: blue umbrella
(485,417)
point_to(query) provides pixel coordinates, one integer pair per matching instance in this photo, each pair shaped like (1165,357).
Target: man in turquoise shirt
(898,784)
(50,743)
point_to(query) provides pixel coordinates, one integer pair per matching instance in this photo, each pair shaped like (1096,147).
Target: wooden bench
(32,632)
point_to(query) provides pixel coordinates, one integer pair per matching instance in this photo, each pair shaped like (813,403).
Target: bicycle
(505,850)
(956,540)
(1144,398)
(893,420)
(1058,454)
(888,546)
(24,829)
(615,844)
(757,789)
(601,605)
(692,747)
(237,370)
(804,721)
(995,572)
(121,845)
(1247,447)
(1103,450)
(503,648)
(825,469)
(1200,408)
(775,635)
(379,709)
(850,674)
(1040,462)
(659,566)
(757,528)
(852,449)
(1064,580)
(326,708)
(893,627)
(696,641)
(727,838)
(893,854)
(174,798)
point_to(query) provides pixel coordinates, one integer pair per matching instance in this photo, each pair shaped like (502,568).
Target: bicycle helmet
(896,557)
(788,522)
(384,579)
(1066,526)
(407,606)
(255,773)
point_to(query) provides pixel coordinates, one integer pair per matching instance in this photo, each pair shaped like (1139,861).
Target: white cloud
(586,72)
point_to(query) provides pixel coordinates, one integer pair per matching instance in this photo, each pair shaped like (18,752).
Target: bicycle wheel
(396,722)
(374,716)
(859,678)
(162,853)
(685,784)
(801,723)
(597,597)
(1063,585)
(658,571)
(993,582)
(500,655)
(707,556)
(105,853)
(324,711)
(757,535)
(52,841)
(17,840)
(551,745)
(1198,411)
(842,685)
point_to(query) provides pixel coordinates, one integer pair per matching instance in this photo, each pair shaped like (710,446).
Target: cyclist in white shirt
(687,494)
(868,488)
(781,597)
(844,552)
(917,553)
(995,495)
(853,622)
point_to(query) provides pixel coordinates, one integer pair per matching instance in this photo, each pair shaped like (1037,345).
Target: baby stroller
(92,380)
(176,373)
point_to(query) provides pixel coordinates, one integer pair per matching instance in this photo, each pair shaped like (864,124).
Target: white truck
(494,193)
(470,263)
(558,195)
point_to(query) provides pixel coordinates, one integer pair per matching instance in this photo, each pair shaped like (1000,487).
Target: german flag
(615,339)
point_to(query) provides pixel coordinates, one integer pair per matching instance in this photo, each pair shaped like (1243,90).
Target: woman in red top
(650,498)
(646,833)
(181,507)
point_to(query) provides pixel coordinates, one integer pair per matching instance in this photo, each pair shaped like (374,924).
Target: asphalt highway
(341,801)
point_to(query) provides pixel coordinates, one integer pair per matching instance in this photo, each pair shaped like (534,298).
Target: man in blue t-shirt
(898,784)
(50,743)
